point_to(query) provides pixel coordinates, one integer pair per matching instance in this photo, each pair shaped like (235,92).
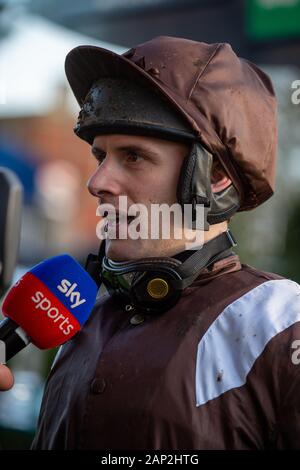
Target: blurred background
(38,112)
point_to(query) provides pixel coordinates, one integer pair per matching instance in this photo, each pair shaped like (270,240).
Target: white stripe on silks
(234,341)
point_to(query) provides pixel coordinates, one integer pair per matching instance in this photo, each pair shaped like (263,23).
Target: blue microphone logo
(68,289)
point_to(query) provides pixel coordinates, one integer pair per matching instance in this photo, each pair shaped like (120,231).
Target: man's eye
(133,157)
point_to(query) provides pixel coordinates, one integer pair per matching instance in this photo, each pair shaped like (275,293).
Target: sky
(32,65)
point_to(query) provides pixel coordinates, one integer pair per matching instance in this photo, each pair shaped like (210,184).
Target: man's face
(145,170)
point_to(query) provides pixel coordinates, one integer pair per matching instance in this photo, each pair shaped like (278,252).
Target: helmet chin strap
(154,285)
(194,187)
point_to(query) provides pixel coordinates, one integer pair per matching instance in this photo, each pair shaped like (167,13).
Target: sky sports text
(67,288)
(44,304)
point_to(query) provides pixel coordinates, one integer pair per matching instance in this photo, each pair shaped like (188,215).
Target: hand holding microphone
(46,307)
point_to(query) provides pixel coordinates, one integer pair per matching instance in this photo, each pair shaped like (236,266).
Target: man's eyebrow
(126,148)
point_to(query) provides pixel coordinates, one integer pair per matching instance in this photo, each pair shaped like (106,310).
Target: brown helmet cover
(229,102)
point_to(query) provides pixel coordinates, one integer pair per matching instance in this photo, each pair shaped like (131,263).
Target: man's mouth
(116,219)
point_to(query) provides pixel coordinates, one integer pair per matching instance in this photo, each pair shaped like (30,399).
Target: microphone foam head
(52,301)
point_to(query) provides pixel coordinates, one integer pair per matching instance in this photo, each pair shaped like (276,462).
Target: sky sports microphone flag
(50,303)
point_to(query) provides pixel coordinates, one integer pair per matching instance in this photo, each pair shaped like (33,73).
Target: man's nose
(105,180)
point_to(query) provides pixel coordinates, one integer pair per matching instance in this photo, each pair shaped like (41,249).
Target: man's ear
(219,178)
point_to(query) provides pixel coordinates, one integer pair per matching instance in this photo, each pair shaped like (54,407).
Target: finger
(6,378)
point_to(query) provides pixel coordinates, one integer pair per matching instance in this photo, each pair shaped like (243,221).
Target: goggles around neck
(154,285)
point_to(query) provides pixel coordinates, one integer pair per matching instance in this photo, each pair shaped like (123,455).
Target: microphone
(47,306)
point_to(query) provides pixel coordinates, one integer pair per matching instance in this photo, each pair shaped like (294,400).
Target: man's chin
(121,250)
(129,250)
